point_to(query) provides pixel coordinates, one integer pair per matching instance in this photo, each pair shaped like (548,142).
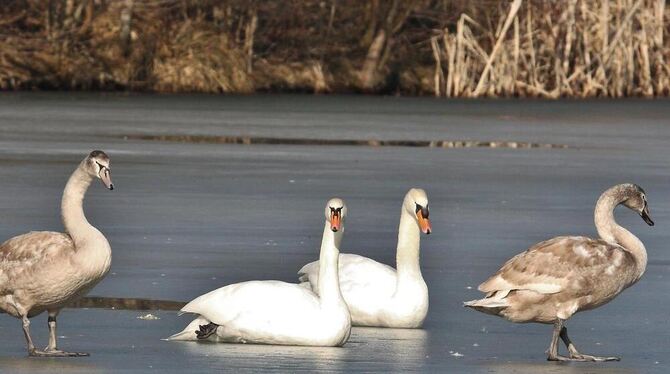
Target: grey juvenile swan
(44,271)
(559,277)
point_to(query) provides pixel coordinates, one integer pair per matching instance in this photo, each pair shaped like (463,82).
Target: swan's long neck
(407,255)
(84,235)
(329,282)
(611,231)
(72,209)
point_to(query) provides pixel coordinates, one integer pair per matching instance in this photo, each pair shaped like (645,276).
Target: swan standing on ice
(273,312)
(377,294)
(45,271)
(559,277)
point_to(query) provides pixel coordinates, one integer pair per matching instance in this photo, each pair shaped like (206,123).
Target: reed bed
(571,48)
(447,48)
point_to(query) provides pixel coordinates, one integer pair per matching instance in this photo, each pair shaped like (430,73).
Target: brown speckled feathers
(20,256)
(562,264)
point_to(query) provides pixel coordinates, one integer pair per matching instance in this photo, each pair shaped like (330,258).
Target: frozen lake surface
(187,218)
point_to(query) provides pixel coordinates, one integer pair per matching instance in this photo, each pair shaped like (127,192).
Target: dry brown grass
(199,60)
(452,48)
(572,48)
(131,44)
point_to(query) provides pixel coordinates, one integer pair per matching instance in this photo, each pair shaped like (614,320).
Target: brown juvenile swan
(44,270)
(559,277)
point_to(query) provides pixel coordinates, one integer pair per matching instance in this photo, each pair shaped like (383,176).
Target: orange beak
(335,221)
(424,223)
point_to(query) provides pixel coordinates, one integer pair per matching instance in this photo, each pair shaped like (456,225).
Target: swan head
(416,204)
(96,165)
(336,212)
(635,199)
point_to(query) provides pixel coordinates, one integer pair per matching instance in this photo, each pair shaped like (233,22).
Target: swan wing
(263,301)
(360,277)
(557,264)
(308,275)
(24,255)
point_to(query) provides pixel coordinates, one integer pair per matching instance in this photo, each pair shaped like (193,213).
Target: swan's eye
(336,211)
(101,166)
(424,210)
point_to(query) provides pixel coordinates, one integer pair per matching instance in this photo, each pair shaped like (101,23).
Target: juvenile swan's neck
(329,283)
(407,255)
(610,231)
(72,210)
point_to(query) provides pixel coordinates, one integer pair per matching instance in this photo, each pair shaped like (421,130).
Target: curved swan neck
(610,231)
(329,283)
(604,216)
(72,210)
(407,255)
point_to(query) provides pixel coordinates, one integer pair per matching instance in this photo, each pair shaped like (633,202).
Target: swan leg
(52,331)
(574,353)
(50,350)
(552,352)
(26,333)
(206,331)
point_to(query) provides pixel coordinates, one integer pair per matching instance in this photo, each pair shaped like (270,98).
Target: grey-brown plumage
(44,271)
(559,277)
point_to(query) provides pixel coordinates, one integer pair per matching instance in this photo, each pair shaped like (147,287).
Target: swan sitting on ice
(377,294)
(273,312)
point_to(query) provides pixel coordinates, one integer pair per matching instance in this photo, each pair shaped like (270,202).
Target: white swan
(377,294)
(273,312)
(45,271)
(559,277)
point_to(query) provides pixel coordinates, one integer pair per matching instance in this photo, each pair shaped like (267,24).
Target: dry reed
(576,48)
(451,48)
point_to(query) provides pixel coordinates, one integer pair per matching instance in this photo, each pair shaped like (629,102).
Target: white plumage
(274,312)
(377,294)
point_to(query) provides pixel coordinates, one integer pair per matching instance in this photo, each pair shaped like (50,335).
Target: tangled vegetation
(453,48)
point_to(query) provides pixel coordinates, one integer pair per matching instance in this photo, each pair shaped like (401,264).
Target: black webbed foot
(205,331)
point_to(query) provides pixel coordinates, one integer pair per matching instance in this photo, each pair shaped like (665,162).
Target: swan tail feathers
(486,303)
(493,303)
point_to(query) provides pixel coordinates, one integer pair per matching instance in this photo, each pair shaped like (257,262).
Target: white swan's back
(262,299)
(360,277)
